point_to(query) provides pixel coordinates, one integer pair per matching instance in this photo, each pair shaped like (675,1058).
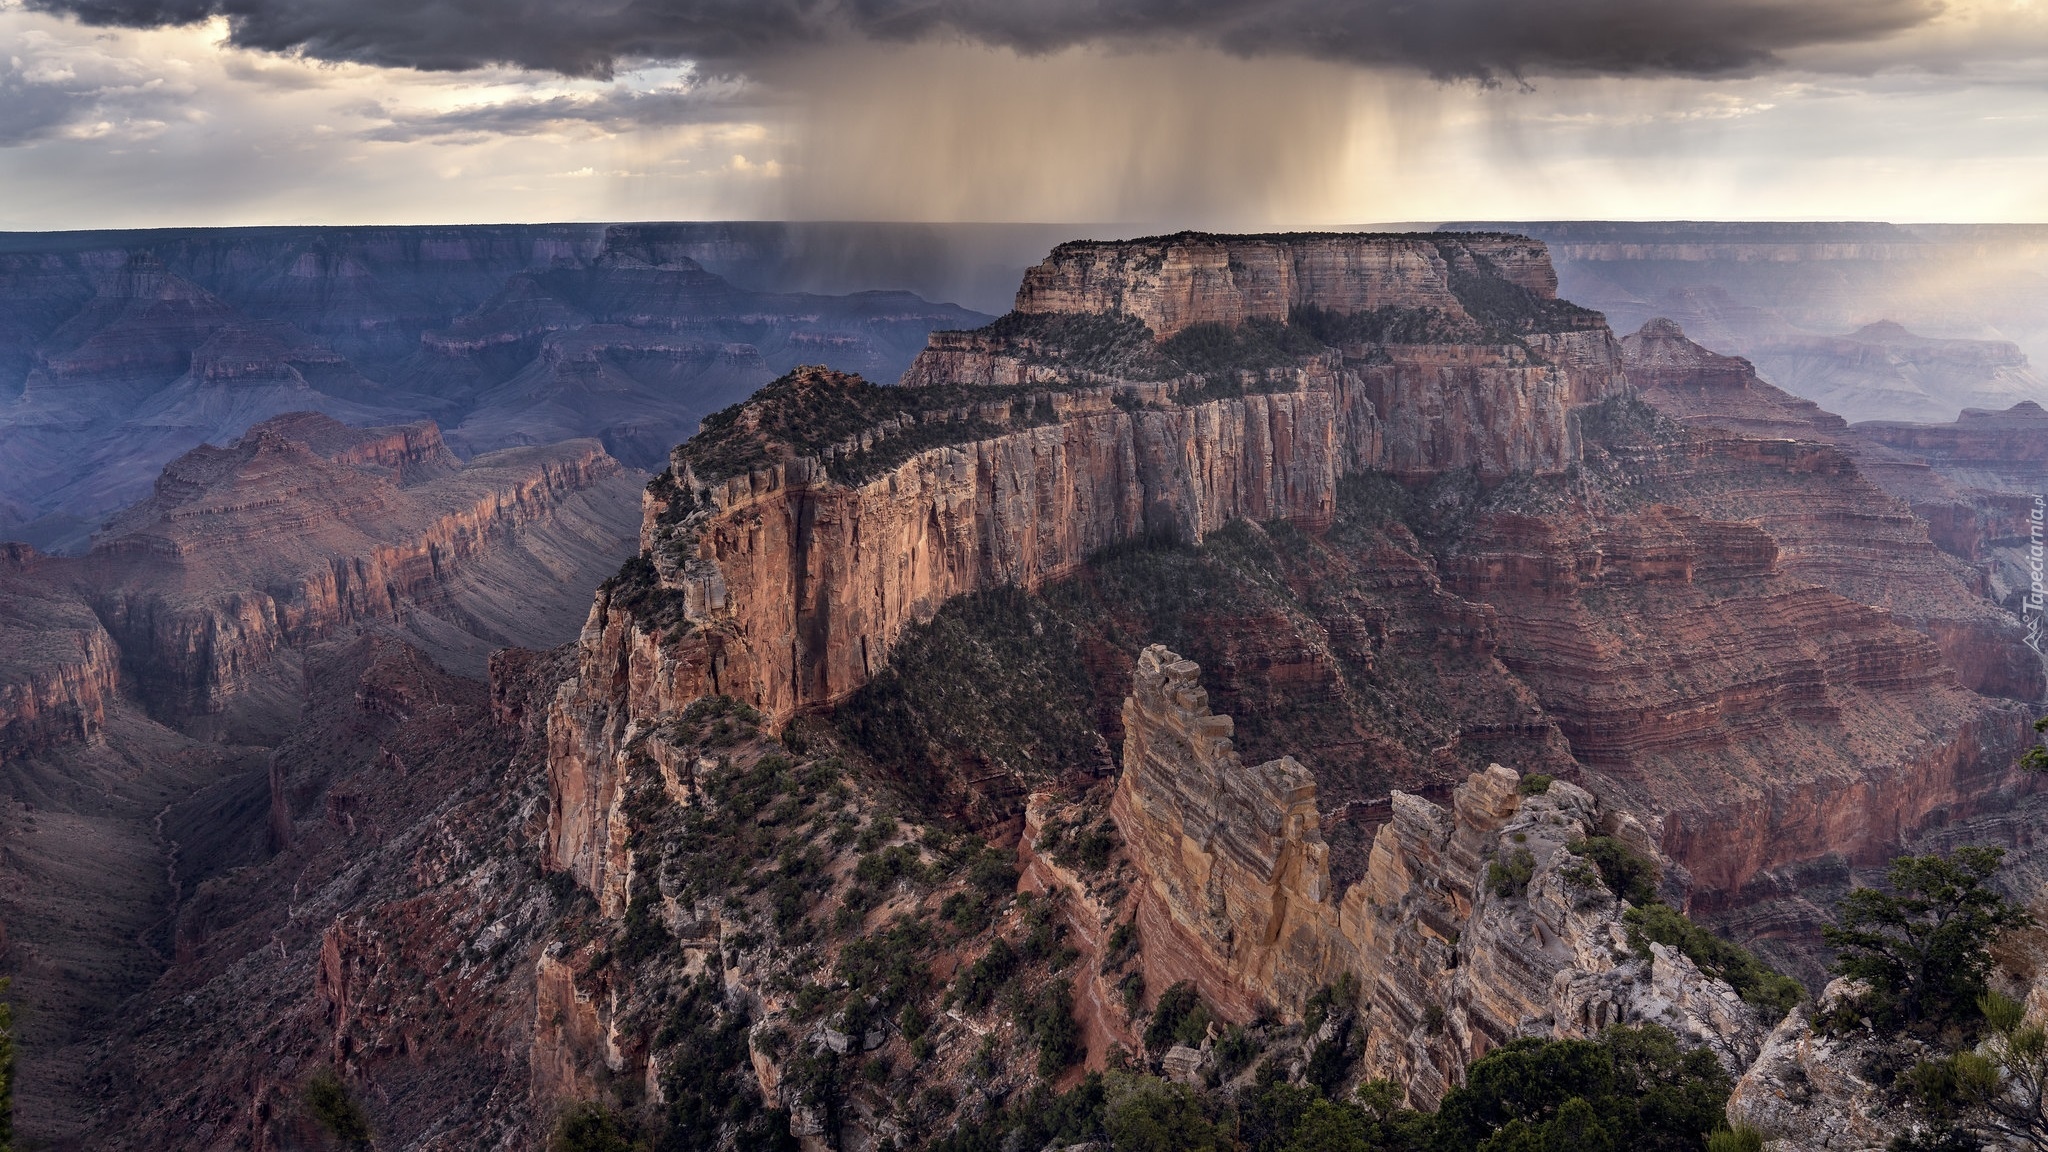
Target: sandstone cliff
(798,537)
(1238,897)
(1693,599)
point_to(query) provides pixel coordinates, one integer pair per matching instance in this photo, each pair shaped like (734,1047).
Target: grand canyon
(498,687)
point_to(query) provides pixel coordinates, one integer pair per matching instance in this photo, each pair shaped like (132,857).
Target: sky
(1199,113)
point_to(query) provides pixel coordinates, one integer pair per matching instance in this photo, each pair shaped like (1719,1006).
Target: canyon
(150,685)
(1261,616)
(1874,321)
(120,352)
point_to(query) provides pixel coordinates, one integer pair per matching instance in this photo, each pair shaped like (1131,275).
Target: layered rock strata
(1238,897)
(1174,282)
(298,531)
(1696,597)
(60,670)
(1853,509)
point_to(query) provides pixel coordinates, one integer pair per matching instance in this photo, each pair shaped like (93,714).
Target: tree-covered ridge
(815,410)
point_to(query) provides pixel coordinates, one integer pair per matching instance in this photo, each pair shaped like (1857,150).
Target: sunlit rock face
(1239,899)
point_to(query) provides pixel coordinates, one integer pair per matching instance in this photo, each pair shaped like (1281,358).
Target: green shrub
(2036,758)
(1048,1019)
(1179,1017)
(1510,877)
(1033,1119)
(1622,869)
(1535,784)
(1145,1114)
(977,983)
(885,867)
(1120,947)
(879,831)
(329,1104)
(1341,996)
(1771,992)
(887,965)
(589,1127)
(1632,1089)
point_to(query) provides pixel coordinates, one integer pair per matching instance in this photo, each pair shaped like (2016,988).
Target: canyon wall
(1238,897)
(60,670)
(299,531)
(1733,632)
(1868,510)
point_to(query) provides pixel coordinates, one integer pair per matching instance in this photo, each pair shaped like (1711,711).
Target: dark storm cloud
(1482,39)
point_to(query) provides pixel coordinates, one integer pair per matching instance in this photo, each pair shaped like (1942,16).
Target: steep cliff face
(60,669)
(798,537)
(1175,282)
(1850,510)
(268,545)
(1695,599)
(1238,897)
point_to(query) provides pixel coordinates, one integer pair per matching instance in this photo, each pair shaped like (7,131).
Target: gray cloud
(618,109)
(1482,39)
(30,110)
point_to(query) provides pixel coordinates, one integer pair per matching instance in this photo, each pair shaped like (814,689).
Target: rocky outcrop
(60,669)
(1688,382)
(1453,959)
(1810,1090)
(1174,282)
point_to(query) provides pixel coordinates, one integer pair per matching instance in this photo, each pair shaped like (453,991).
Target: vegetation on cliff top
(1632,1088)
(814,409)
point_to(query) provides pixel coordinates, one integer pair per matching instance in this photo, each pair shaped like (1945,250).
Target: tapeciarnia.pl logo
(2037,566)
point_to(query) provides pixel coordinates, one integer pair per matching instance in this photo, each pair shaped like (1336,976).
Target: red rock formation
(1849,510)
(1238,898)
(273,544)
(59,669)
(1696,616)
(1173,282)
